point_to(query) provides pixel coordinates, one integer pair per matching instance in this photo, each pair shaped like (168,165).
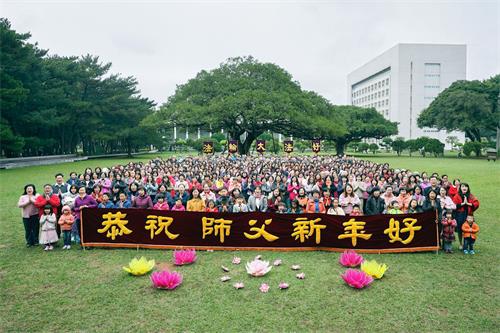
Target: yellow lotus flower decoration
(373,268)
(139,266)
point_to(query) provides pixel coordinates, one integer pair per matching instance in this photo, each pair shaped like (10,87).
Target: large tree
(468,106)
(246,98)
(54,104)
(361,123)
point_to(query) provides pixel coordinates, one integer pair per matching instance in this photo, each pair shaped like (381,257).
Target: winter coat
(252,204)
(143,202)
(87,200)
(27,205)
(449,229)
(161,206)
(66,221)
(53,201)
(108,204)
(195,205)
(240,209)
(470,230)
(311,207)
(458,200)
(123,204)
(374,205)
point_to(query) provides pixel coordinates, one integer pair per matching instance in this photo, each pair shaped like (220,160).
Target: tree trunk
(339,147)
(244,147)
(274,142)
(498,138)
(129,148)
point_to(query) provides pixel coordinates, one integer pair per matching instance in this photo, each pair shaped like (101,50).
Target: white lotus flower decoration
(258,267)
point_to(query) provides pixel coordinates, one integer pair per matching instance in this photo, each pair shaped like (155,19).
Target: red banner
(232,146)
(316,146)
(258,231)
(260,146)
(208,147)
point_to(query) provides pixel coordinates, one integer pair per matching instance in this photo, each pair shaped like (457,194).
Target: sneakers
(66,247)
(51,248)
(46,248)
(472,252)
(466,252)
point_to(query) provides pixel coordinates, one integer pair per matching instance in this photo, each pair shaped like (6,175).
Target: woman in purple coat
(142,200)
(83,200)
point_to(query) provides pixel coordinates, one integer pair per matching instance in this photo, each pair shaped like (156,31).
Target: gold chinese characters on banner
(208,147)
(256,230)
(288,146)
(232,146)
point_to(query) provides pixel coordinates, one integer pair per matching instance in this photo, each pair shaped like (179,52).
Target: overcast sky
(165,43)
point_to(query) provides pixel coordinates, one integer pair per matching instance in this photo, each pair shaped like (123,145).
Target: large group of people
(300,184)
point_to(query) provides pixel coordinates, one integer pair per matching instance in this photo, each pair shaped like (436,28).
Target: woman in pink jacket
(30,216)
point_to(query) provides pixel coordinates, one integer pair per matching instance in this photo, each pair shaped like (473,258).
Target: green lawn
(87,290)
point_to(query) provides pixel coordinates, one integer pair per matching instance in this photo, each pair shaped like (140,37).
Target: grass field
(87,291)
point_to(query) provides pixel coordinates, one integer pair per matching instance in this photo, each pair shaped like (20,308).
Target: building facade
(404,80)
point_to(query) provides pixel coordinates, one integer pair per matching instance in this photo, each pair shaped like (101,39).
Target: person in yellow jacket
(196,203)
(469,231)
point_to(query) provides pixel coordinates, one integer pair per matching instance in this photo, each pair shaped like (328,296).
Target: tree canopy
(362,123)
(246,98)
(468,106)
(55,104)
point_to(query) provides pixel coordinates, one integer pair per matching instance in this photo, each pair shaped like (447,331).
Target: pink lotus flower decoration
(264,288)
(236,260)
(166,280)
(184,257)
(283,285)
(350,259)
(258,267)
(356,279)
(301,276)
(239,285)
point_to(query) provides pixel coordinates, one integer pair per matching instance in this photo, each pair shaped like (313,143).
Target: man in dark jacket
(375,204)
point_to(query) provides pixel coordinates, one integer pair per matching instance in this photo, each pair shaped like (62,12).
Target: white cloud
(164,43)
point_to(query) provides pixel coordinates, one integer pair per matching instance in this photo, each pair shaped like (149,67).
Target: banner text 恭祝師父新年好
(258,231)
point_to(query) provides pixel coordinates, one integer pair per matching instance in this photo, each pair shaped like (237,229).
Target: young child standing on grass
(66,221)
(449,225)
(469,230)
(48,234)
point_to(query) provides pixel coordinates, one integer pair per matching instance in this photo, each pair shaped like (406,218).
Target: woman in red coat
(466,205)
(47,198)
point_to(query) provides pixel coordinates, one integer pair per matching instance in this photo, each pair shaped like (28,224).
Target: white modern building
(404,80)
